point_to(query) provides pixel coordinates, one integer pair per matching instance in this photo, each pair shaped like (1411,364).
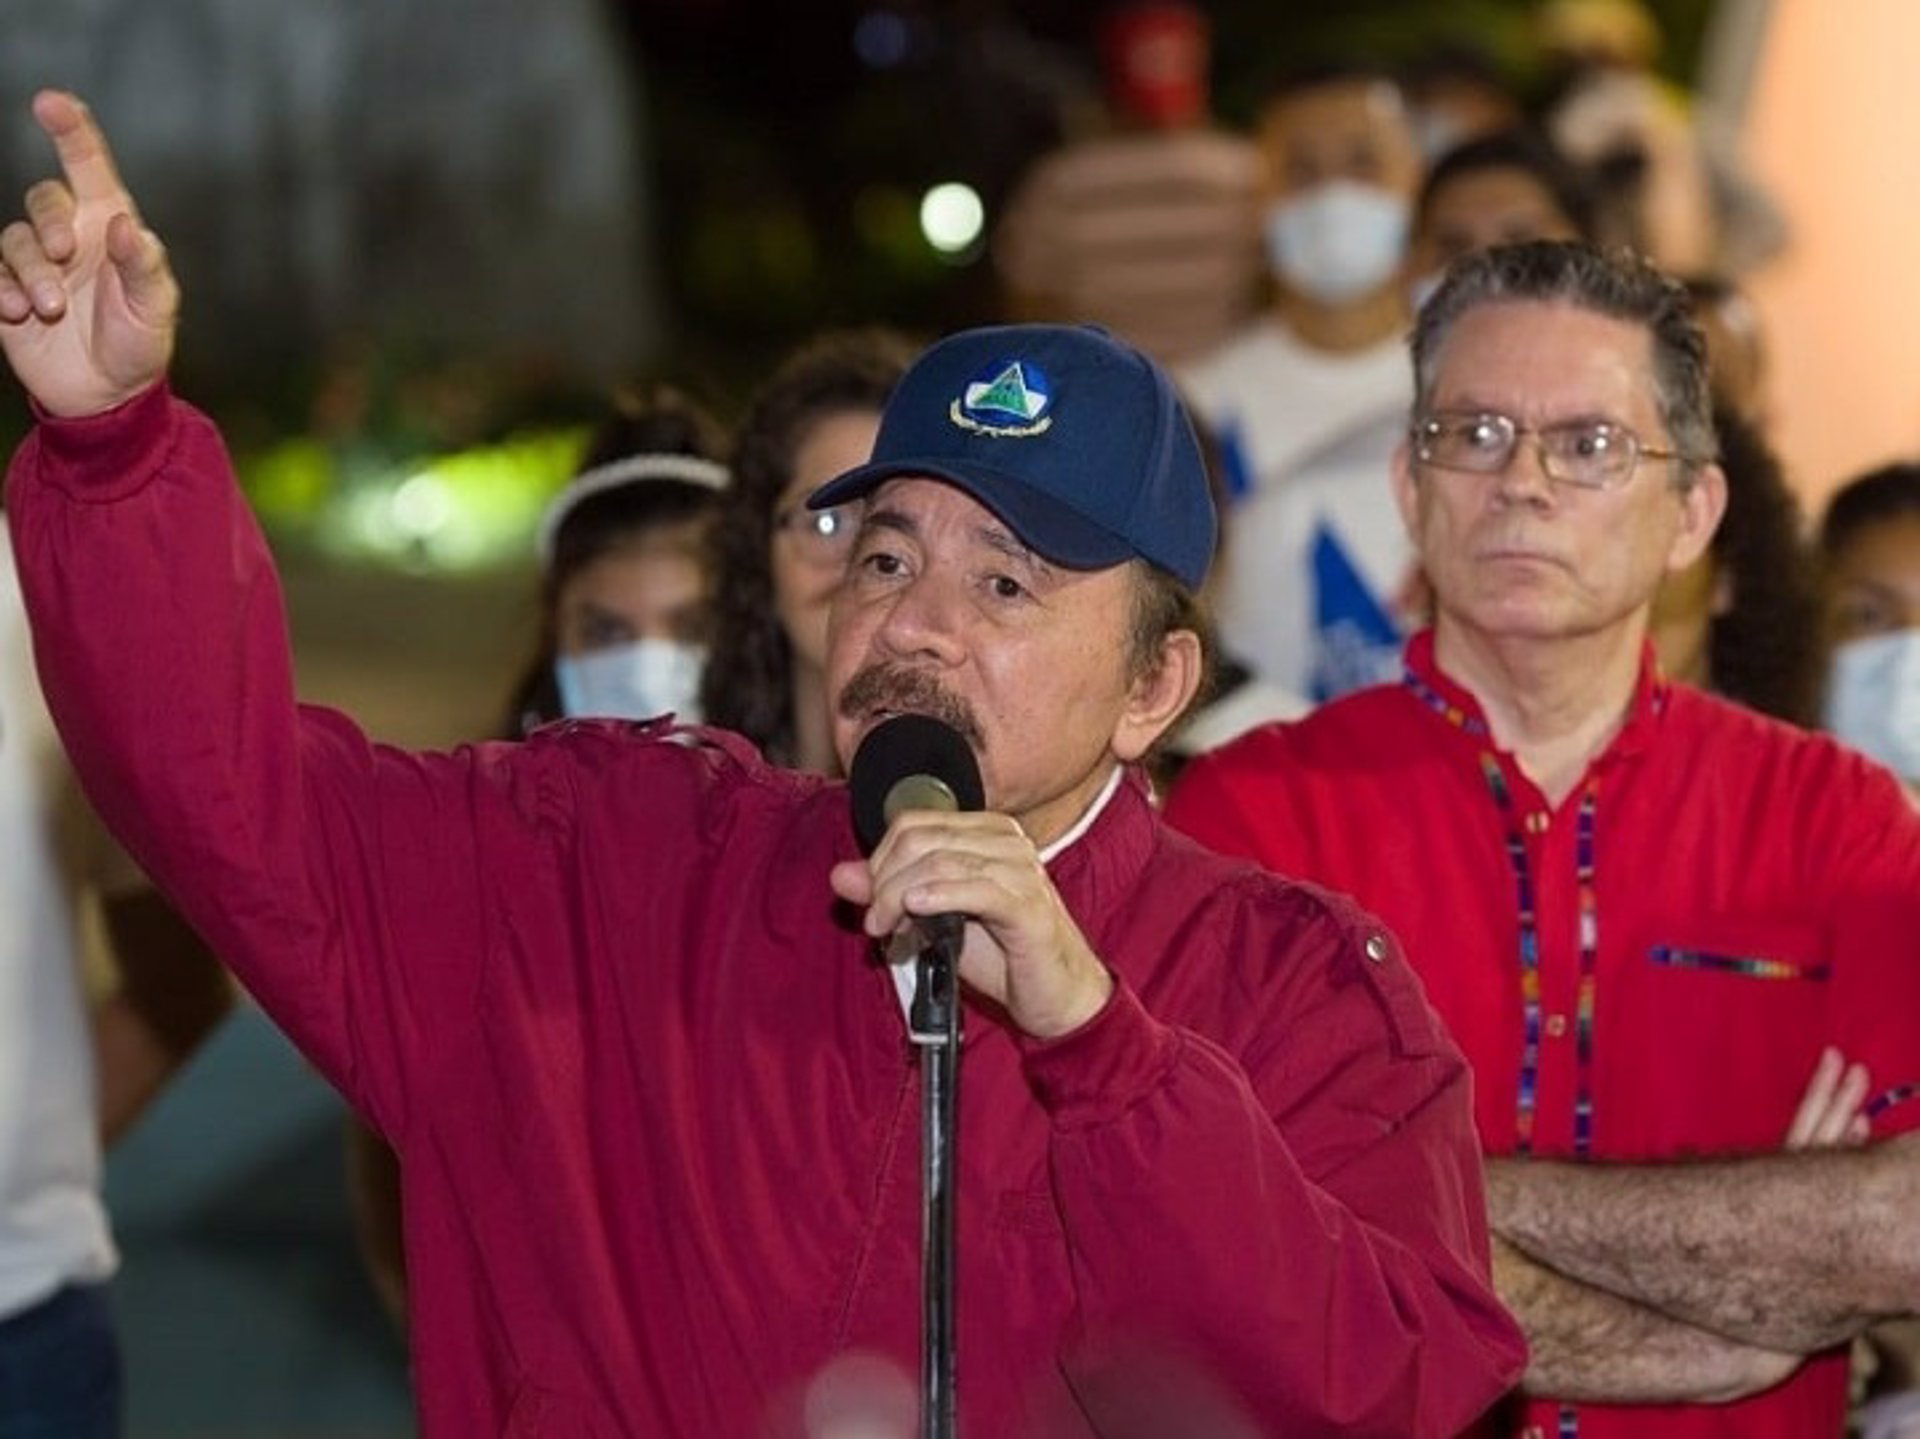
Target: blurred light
(882,39)
(458,511)
(421,506)
(952,217)
(861,1396)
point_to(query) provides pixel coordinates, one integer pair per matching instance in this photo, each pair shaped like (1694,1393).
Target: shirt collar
(1456,705)
(1080,826)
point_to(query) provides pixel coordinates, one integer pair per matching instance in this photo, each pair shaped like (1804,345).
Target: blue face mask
(1873,699)
(632,681)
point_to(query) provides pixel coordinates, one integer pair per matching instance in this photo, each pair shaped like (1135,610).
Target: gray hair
(1613,282)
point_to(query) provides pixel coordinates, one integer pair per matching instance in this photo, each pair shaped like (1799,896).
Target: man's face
(1515,555)
(945,612)
(1344,130)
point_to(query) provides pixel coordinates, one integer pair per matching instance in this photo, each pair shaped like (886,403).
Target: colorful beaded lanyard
(1567,1420)
(1531,1019)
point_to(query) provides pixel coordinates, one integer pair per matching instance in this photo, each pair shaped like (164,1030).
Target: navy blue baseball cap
(1073,438)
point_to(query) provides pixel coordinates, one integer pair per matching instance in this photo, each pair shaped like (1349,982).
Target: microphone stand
(935,1027)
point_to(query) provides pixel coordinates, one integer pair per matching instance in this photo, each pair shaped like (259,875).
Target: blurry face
(651,588)
(1484,208)
(1873,585)
(945,612)
(1515,555)
(810,551)
(1347,130)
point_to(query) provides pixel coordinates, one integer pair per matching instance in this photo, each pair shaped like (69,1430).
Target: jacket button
(1376,947)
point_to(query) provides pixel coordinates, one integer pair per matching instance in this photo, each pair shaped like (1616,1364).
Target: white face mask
(633,681)
(1337,241)
(1873,699)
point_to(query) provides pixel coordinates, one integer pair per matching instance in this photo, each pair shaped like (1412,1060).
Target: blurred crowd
(1276,271)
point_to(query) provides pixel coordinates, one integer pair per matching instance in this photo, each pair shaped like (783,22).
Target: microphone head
(920,757)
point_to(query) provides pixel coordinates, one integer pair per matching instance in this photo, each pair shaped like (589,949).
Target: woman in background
(1744,619)
(780,562)
(627,588)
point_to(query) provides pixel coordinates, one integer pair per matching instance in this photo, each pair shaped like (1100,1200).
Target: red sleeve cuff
(110,455)
(1106,1066)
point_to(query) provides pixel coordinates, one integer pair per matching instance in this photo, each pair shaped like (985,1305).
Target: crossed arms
(1708,1281)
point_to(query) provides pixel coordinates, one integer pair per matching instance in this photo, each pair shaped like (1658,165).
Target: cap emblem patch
(1010,400)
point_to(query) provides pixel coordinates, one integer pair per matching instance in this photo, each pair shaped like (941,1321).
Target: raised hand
(88,304)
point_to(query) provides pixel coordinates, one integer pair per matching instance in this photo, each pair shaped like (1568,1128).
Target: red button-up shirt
(1646,971)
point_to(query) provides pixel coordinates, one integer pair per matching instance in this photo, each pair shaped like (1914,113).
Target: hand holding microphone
(938,865)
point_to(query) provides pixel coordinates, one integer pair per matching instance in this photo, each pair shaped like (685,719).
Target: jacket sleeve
(1308,1211)
(297,848)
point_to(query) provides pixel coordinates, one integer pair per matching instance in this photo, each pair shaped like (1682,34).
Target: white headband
(631,470)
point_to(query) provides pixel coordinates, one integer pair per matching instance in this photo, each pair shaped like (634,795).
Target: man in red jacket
(619,1003)
(1648,916)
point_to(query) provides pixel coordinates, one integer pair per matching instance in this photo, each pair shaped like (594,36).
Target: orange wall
(1833,132)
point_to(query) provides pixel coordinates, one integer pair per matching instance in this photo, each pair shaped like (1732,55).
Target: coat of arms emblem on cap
(1010,399)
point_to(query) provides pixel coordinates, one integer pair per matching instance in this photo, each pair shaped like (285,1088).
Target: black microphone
(914,761)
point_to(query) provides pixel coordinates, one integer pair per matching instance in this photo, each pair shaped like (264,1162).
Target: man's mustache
(882,686)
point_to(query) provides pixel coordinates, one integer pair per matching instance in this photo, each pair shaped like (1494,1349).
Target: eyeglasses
(822,532)
(1587,454)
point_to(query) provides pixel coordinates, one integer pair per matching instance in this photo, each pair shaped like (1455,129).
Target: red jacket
(657,1112)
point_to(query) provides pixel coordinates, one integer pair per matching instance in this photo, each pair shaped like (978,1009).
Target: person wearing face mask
(1870,554)
(1307,400)
(626,584)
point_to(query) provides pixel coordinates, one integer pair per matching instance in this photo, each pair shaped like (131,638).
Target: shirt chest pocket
(1722,1019)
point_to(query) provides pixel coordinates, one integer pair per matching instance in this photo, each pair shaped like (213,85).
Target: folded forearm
(1589,1346)
(1794,1252)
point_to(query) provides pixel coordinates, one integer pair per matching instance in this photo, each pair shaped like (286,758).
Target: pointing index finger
(84,157)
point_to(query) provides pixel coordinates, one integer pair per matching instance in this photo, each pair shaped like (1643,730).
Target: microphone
(914,761)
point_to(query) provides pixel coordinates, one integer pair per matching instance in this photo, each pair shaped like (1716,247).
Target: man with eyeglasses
(1674,938)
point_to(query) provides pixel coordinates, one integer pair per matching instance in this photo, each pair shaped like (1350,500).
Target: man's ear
(1159,696)
(1405,494)
(1702,504)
